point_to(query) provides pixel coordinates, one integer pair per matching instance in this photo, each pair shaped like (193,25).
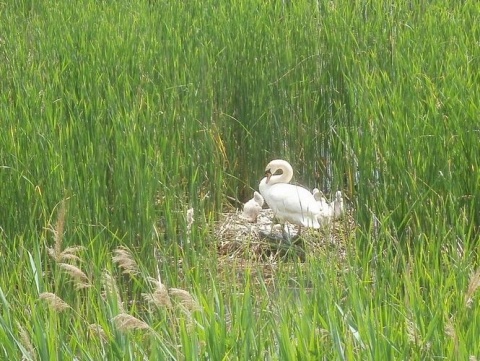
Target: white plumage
(332,210)
(252,208)
(337,205)
(326,209)
(290,203)
(322,201)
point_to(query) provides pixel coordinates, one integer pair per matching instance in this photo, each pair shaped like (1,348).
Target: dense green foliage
(131,112)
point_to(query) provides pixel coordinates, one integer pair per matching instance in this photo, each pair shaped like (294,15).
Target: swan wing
(293,204)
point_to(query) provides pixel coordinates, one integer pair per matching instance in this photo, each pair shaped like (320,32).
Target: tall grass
(115,118)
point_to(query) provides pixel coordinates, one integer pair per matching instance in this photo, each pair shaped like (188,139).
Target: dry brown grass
(125,260)
(57,252)
(79,278)
(160,296)
(95,330)
(185,299)
(26,342)
(239,238)
(55,302)
(125,322)
(473,285)
(110,289)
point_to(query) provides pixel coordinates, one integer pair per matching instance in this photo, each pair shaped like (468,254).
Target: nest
(239,238)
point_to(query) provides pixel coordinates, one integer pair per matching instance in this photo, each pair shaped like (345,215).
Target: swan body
(252,208)
(290,203)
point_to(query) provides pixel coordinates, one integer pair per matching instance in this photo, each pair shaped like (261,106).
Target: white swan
(290,203)
(252,208)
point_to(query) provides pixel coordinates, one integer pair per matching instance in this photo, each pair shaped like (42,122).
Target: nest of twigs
(239,238)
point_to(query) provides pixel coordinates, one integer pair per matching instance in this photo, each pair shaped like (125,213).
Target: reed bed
(129,129)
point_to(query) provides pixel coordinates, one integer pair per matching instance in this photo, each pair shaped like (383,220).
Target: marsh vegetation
(116,118)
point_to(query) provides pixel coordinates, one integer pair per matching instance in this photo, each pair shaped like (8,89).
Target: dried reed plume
(55,302)
(95,330)
(58,233)
(126,322)
(56,252)
(450,332)
(79,278)
(186,299)
(414,335)
(159,297)
(60,227)
(110,288)
(26,342)
(450,329)
(68,254)
(473,285)
(123,257)
(412,331)
(190,219)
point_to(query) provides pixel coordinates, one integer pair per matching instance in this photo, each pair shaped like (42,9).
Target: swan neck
(285,177)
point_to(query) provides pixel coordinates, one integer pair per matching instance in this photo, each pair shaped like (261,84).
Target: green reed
(130,113)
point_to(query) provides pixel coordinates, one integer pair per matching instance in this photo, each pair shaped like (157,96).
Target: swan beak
(268,174)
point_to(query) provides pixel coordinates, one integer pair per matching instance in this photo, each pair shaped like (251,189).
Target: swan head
(278,165)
